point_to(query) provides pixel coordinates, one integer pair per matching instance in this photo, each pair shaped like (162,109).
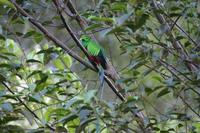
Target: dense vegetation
(48,85)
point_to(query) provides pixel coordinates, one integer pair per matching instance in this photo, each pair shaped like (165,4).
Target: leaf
(28,116)
(18,21)
(67,60)
(9,54)
(118,6)
(99,3)
(33,61)
(38,37)
(163,92)
(11,129)
(43,79)
(2,77)
(123,18)
(37,99)
(14,97)
(9,118)
(29,33)
(2,37)
(104,19)
(148,91)
(164,28)
(89,95)
(141,20)
(118,29)
(47,22)
(83,124)
(60,129)
(59,64)
(52,112)
(72,101)
(49,50)
(7,106)
(4,65)
(170,81)
(68,118)
(8,3)
(34,72)
(148,71)
(93,26)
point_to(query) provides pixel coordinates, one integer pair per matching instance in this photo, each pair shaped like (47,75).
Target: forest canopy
(102,66)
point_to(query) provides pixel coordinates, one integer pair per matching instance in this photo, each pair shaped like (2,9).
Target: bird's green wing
(93,48)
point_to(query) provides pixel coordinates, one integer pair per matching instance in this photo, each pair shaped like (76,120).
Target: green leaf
(67,60)
(93,26)
(68,118)
(59,64)
(83,124)
(29,33)
(2,37)
(9,118)
(34,72)
(4,65)
(8,3)
(2,77)
(104,19)
(11,129)
(33,61)
(163,92)
(48,50)
(38,37)
(118,6)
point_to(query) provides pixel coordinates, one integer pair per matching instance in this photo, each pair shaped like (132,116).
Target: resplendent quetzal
(98,59)
(96,55)
(95,51)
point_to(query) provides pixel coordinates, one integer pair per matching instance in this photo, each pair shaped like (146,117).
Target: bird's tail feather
(113,75)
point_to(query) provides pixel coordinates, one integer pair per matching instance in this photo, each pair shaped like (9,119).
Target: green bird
(96,57)
(95,51)
(99,60)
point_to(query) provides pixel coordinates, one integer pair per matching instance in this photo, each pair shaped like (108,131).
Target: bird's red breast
(94,59)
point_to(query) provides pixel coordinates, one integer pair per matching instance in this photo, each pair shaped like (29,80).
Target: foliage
(162,79)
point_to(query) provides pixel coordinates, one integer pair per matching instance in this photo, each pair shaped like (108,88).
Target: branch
(33,113)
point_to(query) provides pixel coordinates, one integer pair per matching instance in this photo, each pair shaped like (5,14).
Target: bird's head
(85,39)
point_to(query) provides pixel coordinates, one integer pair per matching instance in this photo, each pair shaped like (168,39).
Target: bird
(96,55)
(98,58)
(96,52)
